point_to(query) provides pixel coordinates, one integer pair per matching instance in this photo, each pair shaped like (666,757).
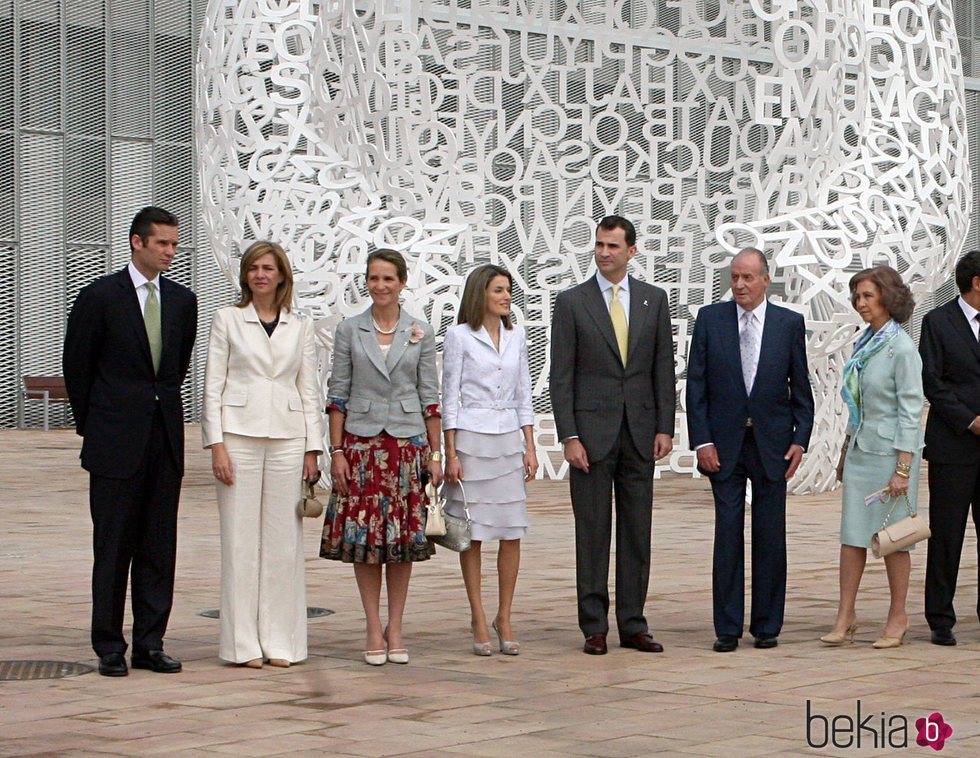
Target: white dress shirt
(605,286)
(139,282)
(483,389)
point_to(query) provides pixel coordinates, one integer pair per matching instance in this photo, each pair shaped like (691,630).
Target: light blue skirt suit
(890,411)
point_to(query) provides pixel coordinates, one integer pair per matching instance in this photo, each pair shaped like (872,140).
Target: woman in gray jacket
(383,403)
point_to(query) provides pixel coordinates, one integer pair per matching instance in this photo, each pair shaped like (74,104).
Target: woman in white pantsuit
(262,423)
(488,422)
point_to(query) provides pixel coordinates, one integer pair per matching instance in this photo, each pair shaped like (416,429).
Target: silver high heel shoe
(481,648)
(507,647)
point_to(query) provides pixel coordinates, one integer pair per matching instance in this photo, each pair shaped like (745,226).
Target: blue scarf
(869,343)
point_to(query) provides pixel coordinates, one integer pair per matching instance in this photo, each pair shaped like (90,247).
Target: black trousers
(768,547)
(952,490)
(631,476)
(135,527)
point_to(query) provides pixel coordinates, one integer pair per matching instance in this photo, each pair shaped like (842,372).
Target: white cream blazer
(484,390)
(261,386)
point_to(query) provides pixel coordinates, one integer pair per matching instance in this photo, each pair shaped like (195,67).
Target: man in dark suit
(951,381)
(749,417)
(127,351)
(612,391)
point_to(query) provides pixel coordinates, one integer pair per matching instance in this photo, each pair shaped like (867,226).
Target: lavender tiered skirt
(493,480)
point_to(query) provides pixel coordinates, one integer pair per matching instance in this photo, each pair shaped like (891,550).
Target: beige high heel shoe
(839,638)
(884,643)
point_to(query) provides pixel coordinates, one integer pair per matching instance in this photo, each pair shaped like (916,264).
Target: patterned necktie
(151,317)
(748,345)
(620,327)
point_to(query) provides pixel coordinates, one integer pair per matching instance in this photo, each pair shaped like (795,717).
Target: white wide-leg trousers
(263,586)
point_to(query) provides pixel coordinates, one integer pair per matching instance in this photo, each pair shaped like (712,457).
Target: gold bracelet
(453,457)
(902,474)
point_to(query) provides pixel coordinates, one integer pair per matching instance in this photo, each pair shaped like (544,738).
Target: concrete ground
(551,700)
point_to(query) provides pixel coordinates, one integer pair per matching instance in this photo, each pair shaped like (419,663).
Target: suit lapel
(369,343)
(961,326)
(400,342)
(168,316)
(768,329)
(595,305)
(639,313)
(131,307)
(257,336)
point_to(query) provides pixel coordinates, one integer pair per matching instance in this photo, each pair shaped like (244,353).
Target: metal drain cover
(22,671)
(312,612)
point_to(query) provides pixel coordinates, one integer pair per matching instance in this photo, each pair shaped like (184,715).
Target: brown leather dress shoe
(643,642)
(595,644)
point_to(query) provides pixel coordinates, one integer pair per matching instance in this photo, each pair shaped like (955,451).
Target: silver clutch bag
(448,531)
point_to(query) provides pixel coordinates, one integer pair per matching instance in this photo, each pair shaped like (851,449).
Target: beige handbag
(435,516)
(911,529)
(309,506)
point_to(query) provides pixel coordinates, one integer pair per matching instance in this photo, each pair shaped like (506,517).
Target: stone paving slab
(549,701)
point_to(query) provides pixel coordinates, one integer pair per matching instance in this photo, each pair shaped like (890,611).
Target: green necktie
(151,317)
(618,316)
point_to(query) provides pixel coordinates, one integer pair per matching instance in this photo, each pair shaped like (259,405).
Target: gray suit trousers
(626,472)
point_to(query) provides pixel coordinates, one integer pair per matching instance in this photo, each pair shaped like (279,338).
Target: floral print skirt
(382,520)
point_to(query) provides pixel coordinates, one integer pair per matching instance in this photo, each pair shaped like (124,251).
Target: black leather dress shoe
(725,644)
(765,641)
(113,664)
(595,644)
(642,641)
(156,660)
(943,636)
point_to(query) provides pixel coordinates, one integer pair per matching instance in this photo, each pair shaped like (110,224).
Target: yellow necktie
(618,316)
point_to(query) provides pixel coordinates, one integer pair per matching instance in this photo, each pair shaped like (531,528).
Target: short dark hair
(474,302)
(143,222)
(618,222)
(284,292)
(967,267)
(896,297)
(758,253)
(393,257)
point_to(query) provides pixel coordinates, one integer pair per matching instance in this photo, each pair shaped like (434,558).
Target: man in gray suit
(612,392)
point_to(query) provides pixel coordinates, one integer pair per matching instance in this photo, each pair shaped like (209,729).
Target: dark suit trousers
(135,525)
(768,547)
(632,478)
(952,489)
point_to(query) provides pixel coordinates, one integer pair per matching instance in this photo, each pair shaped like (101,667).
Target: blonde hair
(284,292)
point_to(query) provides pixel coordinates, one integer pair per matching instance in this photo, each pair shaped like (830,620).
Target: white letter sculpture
(829,133)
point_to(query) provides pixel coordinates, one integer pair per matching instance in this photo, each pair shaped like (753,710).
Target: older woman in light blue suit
(883,393)
(383,397)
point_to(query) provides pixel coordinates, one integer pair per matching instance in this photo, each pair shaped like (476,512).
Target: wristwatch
(436,456)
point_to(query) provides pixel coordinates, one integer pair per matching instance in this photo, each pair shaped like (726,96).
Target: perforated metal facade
(96,121)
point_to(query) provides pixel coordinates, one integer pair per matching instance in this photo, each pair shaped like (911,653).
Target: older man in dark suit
(127,350)
(950,354)
(749,417)
(612,391)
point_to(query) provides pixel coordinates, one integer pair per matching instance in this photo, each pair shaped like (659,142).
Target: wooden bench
(46,388)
